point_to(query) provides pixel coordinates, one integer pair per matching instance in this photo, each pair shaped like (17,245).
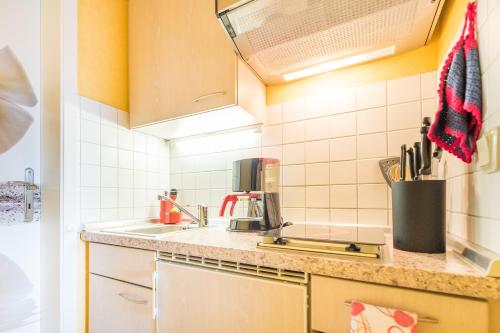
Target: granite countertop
(445,273)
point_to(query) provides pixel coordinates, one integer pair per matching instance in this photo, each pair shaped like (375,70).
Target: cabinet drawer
(116,306)
(454,314)
(122,263)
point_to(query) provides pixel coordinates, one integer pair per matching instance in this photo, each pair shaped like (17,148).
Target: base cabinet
(116,306)
(453,314)
(197,300)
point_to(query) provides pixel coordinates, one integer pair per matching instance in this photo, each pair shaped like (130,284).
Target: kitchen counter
(445,273)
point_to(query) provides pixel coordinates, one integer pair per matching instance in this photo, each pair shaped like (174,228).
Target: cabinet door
(453,314)
(116,306)
(180,60)
(196,300)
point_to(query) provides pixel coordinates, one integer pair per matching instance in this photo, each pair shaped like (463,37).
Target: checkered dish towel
(457,123)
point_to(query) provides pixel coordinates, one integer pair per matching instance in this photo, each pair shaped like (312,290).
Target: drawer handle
(217,93)
(421,319)
(129,298)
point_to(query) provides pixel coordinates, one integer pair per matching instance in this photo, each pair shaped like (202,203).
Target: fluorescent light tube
(336,64)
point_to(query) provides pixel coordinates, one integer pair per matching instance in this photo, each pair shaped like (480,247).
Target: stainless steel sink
(149,230)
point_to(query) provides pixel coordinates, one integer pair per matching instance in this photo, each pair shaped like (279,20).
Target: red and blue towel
(457,123)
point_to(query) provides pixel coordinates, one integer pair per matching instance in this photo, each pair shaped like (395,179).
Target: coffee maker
(255,203)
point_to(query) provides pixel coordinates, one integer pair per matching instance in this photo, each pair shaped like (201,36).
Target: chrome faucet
(201,220)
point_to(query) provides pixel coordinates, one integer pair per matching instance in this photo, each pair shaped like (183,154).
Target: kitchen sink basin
(149,230)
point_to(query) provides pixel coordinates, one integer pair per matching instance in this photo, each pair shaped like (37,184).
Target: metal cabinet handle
(202,97)
(130,298)
(421,319)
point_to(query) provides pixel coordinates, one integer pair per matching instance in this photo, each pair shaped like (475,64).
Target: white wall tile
(372,216)
(317,129)
(90,153)
(294,153)
(317,151)
(317,174)
(109,135)
(90,131)
(90,109)
(274,114)
(294,132)
(429,107)
(372,120)
(317,106)
(272,135)
(125,178)
(125,139)
(140,142)
(343,172)
(125,198)
(125,159)
(429,84)
(294,196)
(403,90)
(372,196)
(90,197)
(109,156)
(397,138)
(294,110)
(90,175)
(273,152)
(343,100)
(293,175)
(372,146)
(203,180)
(317,196)
(344,216)
(343,196)
(343,125)
(218,179)
(369,172)
(343,148)
(404,116)
(109,197)
(139,161)
(371,96)
(109,177)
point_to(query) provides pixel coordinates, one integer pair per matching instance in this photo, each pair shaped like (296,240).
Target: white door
(120,307)
(197,300)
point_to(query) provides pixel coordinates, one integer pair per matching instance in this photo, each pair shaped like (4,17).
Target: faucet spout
(201,219)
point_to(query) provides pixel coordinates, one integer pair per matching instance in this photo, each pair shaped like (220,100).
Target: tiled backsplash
(473,195)
(329,146)
(122,171)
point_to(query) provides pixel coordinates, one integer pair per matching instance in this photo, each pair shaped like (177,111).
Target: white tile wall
(122,171)
(329,146)
(473,209)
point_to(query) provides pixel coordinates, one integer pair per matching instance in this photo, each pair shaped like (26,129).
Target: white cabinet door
(120,307)
(197,300)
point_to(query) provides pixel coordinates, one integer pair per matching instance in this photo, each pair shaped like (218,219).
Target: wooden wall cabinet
(181,63)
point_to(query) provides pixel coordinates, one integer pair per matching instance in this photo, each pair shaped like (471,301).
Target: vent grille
(234,266)
(280,36)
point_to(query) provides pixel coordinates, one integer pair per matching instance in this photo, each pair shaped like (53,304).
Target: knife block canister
(419,216)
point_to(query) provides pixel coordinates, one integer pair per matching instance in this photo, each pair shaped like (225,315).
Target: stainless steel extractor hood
(284,40)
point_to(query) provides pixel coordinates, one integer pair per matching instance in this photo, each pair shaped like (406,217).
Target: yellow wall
(424,59)
(103,51)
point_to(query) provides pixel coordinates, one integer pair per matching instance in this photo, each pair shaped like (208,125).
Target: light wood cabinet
(181,62)
(329,314)
(197,300)
(122,263)
(116,306)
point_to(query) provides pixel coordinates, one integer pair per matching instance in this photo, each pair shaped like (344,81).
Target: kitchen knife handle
(426,148)
(402,169)
(411,161)
(417,151)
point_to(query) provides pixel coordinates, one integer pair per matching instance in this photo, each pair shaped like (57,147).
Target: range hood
(284,40)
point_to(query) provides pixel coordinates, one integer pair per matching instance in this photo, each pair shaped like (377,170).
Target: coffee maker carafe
(255,204)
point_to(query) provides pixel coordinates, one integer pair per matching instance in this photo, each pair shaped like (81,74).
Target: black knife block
(419,216)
